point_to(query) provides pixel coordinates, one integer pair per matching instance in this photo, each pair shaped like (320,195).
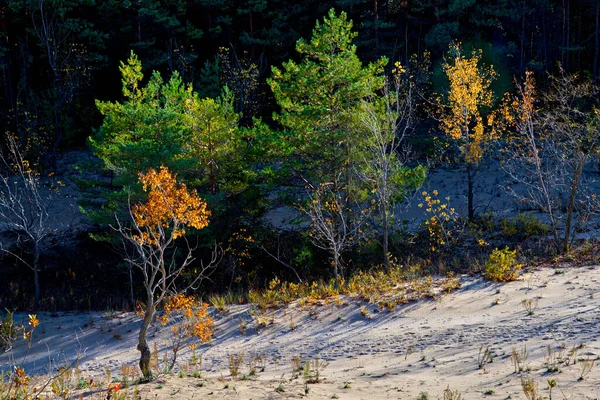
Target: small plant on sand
(61,384)
(219,302)
(195,359)
(530,389)
(572,354)
(235,362)
(296,363)
(519,358)
(280,388)
(189,320)
(529,305)
(553,358)
(586,368)
(243,325)
(18,385)
(423,396)
(364,311)
(313,369)
(113,392)
(452,394)
(484,356)
(502,266)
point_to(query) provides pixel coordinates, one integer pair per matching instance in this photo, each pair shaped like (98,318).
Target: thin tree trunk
(597,46)
(143,348)
(568,43)
(522,39)
(132,297)
(211,162)
(385,243)
(470,206)
(564,24)
(36,278)
(336,262)
(545,40)
(571,206)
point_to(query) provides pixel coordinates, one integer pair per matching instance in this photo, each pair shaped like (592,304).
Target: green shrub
(8,331)
(219,302)
(523,226)
(502,266)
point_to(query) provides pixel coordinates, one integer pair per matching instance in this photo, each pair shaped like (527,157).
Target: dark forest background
(57,57)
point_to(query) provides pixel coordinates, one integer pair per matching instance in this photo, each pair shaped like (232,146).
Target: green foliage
(145,130)
(319,98)
(212,137)
(502,266)
(8,331)
(168,124)
(523,226)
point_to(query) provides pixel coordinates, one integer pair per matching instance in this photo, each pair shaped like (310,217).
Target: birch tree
(388,119)
(461,111)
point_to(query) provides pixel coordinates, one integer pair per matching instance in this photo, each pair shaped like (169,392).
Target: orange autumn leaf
(170,205)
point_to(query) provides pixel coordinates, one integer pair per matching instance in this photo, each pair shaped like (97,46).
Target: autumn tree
(461,112)
(388,119)
(555,136)
(319,100)
(151,241)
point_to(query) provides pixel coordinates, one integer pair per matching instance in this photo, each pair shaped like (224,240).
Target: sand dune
(424,346)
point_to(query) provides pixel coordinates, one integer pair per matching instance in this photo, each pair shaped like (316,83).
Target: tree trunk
(36,278)
(522,39)
(143,348)
(385,243)
(336,262)
(132,297)
(568,41)
(571,206)
(470,206)
(211,163)
(563,38)
(596,50)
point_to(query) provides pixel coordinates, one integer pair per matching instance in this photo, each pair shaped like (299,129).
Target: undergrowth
(386,289)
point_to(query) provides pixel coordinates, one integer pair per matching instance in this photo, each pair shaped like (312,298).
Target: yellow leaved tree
(151,244)
(461,111)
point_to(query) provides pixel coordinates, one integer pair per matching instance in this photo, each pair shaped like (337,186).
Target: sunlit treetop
(170,205)
(469,92)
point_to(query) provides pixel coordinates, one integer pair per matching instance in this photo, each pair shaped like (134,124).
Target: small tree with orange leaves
(460,113)
(151,245)
(189,320)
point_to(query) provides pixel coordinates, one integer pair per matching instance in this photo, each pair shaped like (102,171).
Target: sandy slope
(420,347)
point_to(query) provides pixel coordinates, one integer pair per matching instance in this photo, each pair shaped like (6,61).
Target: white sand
(368,355)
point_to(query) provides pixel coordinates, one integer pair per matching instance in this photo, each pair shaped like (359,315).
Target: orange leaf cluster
(170,205)
(193,319)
